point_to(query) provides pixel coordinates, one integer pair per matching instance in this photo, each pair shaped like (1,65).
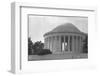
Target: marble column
(52,43)
(64,43)
(60,43)
(68,43)
(73,49)
(76,44)
(57,43)
(46,43)
(71,43)
(80,44)
(56,47)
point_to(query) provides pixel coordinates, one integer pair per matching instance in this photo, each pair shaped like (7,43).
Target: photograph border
(49,16)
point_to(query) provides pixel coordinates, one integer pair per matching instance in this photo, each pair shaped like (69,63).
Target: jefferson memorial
(65,38)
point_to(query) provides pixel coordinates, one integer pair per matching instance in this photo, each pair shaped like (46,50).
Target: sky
(39,25)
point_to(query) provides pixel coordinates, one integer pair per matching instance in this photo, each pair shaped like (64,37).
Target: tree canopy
(37,48)
(30,46)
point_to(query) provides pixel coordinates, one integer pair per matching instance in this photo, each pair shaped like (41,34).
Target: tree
(30,46)
(38,46)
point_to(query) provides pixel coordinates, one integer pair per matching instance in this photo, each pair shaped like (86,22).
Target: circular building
(64,38)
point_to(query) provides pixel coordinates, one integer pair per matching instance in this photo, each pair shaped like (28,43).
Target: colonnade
(68,43)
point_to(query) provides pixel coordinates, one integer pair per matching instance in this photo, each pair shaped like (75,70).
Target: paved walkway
(57,56)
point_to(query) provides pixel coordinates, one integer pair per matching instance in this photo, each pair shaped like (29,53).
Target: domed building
(64,38)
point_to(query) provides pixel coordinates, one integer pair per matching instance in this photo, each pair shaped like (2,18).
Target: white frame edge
(15,37)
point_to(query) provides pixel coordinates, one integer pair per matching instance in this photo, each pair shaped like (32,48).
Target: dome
(68,27)
(65,28)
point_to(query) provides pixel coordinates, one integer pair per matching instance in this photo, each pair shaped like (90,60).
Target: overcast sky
(39,25)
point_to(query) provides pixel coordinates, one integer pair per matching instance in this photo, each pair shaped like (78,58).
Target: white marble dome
(65,28)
